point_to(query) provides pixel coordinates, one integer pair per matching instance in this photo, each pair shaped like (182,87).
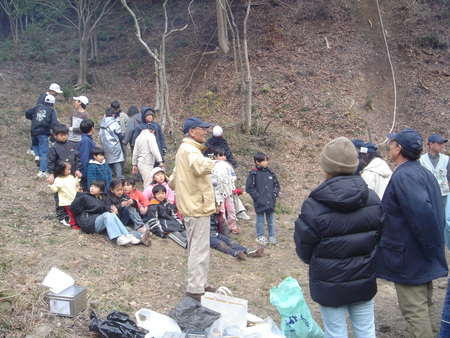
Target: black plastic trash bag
(116,325)
(191,315)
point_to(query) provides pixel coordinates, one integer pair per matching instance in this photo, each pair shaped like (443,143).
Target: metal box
(69,302)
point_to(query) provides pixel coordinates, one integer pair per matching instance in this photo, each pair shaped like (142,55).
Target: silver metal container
(69,302)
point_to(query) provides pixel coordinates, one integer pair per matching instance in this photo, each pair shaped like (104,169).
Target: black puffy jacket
(262,185)
(337,234)
(87,208)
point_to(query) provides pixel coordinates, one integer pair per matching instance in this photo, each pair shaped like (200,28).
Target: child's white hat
(217,131)
(83,99)
(56,88)
(50,99)
(156,170)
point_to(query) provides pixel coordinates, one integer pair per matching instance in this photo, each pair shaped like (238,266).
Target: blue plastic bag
(296,319)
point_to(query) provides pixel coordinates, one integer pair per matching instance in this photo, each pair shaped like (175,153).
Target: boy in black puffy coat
(337,233)
(262,185)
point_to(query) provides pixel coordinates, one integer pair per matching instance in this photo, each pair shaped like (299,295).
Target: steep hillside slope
(320,70)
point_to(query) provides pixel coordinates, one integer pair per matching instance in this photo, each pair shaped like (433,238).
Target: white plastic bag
(155,323)
(265,329)
(232,310)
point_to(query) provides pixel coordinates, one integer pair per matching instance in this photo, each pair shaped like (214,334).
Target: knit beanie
(217,131)
(339,157)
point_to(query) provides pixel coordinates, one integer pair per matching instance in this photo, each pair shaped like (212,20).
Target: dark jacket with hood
(64,151)
(87,208)
(160,140)
(337,233)
(163,218)
(112,199)
(43,119)
(218,142)
(134,122)
(412,249)
(262,185)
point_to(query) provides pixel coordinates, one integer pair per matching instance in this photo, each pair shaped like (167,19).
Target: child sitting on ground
(93,217)
(98,169)
(219,241)
(129,188)
(222,178)
(163,219)
(62,150)
(126,209)
(262,185)
(159,177)
(66,185)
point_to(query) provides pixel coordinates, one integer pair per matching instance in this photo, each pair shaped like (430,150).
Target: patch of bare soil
(305,93)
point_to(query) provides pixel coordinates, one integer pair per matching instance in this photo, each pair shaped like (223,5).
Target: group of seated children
(113,209)
(111,205)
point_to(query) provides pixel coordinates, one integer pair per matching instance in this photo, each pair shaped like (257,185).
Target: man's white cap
(217,131)
(83,99)
(49,99)
(56,88)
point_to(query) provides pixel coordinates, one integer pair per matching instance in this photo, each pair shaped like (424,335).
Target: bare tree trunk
(248,81)
(13,23)
(82,74)
(157,90)
(222,32)
(89,14)
(244,78)
(162,93)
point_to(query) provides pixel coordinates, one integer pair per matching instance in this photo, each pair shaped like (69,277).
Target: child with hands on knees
(125,208)
(129,188)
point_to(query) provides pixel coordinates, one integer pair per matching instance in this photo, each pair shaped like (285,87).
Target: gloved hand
(164,151)
(237,191)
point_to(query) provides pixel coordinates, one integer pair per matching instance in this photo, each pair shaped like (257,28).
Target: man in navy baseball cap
(409,139)
(194,122)
(411,251)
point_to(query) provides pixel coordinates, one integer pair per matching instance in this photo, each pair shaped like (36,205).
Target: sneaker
(243,215)
(241,255)
(133,239)
(272,240)
(262,240)
(37,160)
(123,240)
(255,252)
(145,239)
(63,223)
(30,152)
(42,174)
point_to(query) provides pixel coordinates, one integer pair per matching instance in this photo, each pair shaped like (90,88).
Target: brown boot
(210,289)
(196,296)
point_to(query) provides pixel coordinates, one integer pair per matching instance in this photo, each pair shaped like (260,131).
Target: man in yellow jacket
(195,201)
